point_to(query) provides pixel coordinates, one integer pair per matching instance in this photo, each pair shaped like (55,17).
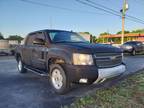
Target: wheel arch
(55,60)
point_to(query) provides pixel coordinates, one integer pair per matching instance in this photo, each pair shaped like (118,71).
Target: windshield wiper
(61,41)
(70,41)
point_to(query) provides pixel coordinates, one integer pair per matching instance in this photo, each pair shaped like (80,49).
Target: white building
(4,44)
(13,42)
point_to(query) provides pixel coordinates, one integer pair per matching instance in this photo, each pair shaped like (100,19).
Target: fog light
(83,80)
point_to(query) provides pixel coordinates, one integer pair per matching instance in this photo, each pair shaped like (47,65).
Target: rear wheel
(20,66)
(59,79)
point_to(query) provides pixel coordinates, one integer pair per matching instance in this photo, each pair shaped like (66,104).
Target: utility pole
(125,8)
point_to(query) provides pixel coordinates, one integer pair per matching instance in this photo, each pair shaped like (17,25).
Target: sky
(19,18)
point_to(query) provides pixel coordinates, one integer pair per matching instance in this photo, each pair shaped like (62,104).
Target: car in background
(8,51)
(5,52)
(133,47)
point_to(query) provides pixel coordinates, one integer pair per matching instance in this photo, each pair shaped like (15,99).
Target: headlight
(128,47)
(82,59)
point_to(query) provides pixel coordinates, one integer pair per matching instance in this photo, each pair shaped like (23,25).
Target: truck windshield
(64,36)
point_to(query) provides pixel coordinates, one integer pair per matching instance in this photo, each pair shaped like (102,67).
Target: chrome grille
(108,59)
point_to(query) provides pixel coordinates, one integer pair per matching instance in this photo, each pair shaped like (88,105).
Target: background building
(115,38)
(13,42)
(4,44)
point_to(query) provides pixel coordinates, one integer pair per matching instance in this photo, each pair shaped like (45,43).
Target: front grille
(104,60)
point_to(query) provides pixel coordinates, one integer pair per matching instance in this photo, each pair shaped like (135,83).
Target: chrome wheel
(57,78)
(19,65)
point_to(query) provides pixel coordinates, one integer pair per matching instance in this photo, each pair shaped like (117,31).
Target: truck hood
(90,48)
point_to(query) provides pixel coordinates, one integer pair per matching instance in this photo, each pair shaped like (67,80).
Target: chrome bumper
(106,73)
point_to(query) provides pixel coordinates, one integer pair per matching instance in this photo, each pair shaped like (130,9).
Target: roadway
(33,91)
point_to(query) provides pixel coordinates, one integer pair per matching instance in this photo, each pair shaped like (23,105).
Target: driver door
(38,52)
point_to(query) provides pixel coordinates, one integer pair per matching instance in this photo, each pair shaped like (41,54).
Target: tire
(59,79)
(133,52)
(20,66)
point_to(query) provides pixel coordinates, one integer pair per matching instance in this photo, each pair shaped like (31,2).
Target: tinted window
(40,35)
(63,36)
(139,43)
(130,43)
(34,36)
(133,43)
(30,39)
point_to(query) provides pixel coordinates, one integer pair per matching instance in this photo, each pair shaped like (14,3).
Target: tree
(1,36)
(138,31)
(120,32)
(15,37)
(100,40)
(93,39)
(104,33)
(86,32)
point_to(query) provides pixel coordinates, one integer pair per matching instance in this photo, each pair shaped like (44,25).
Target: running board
(36,72)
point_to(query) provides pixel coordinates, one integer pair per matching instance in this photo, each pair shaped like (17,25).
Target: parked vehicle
(5,52)
(133,47)
(66,57)
(9,51)
(4,47)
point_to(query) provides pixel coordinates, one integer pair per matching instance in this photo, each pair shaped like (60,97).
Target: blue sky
(18,17)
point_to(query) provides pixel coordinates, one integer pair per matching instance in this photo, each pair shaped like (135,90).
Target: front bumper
(110,72)
(75,73)
(127,50)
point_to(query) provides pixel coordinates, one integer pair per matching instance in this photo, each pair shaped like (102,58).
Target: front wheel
(59,79)
(20,66)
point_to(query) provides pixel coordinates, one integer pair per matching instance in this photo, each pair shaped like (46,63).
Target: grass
(128,94)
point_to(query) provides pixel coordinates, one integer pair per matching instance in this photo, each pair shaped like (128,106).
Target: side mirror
(39,41)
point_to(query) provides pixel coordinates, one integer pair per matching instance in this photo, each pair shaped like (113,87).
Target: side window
(30,39)
(139,43)
(39,39)
(40,35)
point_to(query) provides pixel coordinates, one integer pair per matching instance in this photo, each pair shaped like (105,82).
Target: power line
(99,8)
(61,8)
(128,16)
(102,6)
(109,10)
(134,18)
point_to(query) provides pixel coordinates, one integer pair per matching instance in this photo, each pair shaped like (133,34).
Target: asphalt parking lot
(32,91)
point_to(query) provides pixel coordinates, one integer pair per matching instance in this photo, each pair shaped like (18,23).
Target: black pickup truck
(66,57)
